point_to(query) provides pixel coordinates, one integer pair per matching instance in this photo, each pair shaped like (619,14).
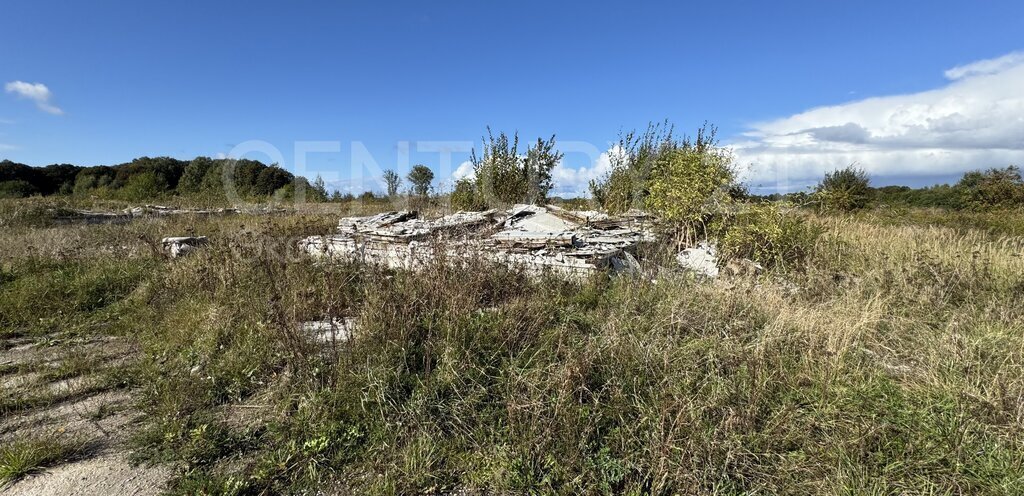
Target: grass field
(891,362)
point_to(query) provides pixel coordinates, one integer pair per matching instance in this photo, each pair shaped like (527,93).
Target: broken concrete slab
(407,226)
(129,214)
(330,331)
(529,236)
(163,210)
(532,218)
(702,260)
(182,245)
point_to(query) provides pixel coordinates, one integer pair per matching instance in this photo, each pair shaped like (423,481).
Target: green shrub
(142,187)
(992,189)
(770,236)
(17,189)
(465,197)
(632,160)
(505,176)
(683,181)
(844,190)
(688,184)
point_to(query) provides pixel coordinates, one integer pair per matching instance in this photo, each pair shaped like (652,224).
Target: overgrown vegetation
(767,234)
(992,189)
(863,367)
(690,185)
(503,175)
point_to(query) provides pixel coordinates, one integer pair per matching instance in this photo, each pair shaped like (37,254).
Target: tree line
(850,189)
(147,178)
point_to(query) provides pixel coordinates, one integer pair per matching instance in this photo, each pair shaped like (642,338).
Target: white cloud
(975,121)
(37,92)
(571,181)
(464,171)
(4,146)
(987,66)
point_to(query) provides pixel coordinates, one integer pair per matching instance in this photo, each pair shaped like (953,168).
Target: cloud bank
(975,121)
(37,92)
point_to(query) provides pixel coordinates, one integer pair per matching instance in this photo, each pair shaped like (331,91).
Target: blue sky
(103,82)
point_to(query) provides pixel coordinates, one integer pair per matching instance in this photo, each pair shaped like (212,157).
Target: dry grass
(891,362)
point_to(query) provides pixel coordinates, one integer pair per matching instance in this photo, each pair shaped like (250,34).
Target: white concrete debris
(182,245)
(702,260)
(536,238)
(128,214)
(162,210)
(330,331)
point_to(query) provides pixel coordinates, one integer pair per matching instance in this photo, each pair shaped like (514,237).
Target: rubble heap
(129,214)
(537,238)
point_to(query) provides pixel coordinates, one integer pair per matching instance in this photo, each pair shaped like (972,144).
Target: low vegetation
(850,366)
(25,456)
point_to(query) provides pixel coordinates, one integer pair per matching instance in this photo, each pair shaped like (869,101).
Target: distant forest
(152,178)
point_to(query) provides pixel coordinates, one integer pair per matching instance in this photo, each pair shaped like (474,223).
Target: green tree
(420,177)
(393,182)
(267,181)
(319,190)
(192,177)
(142,187)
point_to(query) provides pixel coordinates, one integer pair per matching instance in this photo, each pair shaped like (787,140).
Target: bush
(632,160)
(679,180)
(766,234)
(17,189)
(992,189)
(844,190)
(142,187)
(688,184)
(465,197)
(505,176)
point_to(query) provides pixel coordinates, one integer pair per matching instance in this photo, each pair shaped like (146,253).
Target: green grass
(25,456)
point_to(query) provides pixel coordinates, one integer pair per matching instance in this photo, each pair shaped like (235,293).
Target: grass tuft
(25,456)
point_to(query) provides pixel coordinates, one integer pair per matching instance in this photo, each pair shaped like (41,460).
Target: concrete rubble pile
(702,260)
(161,210)
(128,214)
(536,238)
(180,246)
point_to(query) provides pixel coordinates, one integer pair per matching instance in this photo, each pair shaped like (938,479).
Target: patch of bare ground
(61,390)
